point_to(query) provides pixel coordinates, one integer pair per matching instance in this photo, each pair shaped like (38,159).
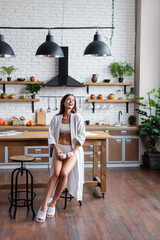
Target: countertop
(88,127)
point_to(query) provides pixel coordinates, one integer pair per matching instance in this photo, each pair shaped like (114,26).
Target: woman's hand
(58,151)
(70,154)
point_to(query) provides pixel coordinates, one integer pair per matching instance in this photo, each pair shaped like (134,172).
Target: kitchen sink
(119,125)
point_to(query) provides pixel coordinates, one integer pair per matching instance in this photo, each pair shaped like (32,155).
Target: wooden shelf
(87,84)
(19,100)
(106,84)
(21,82)
(93,101)
(111,101)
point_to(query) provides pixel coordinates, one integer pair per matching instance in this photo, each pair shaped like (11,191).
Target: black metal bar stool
(19,198)
(65,194)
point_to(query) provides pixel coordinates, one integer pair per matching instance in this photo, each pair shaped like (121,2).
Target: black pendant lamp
(97,47)
(5,49)
(49,48)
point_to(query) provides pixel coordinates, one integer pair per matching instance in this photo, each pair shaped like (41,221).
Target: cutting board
(41,117)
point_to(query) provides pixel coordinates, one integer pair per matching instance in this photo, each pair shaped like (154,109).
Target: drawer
(124,132)
(38,150)
(40,159)
(89,158)
(90,148)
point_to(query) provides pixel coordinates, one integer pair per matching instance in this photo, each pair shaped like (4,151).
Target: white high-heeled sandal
(41,216)
(51,212)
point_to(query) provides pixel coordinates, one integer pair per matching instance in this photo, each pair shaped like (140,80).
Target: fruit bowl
(20,79)
(106,80)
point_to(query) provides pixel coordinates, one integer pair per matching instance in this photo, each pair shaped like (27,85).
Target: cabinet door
(115,150)
(16,150)
(131,150)
(2,154)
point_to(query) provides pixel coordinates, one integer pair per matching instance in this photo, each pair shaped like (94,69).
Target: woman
(66,136)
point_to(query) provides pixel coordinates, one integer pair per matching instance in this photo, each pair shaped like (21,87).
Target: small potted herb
(121,69)
(9,70)
(33,89)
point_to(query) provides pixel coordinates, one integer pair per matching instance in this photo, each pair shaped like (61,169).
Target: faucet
(120,113)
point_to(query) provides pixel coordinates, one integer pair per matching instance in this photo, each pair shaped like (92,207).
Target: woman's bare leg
(52,183)
(66,168)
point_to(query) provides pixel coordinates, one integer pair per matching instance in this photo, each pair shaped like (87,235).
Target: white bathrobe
(76,176)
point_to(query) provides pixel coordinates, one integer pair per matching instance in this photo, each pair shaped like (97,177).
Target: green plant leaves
(150,125)
(9,70)
(33,88)
(121,69)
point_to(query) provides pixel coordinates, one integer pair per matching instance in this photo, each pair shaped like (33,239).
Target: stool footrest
(26,201)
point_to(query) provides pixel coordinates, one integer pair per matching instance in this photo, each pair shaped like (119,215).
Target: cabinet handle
(123,132)
(128,140)
(38,159)
(118,140)
(37,150)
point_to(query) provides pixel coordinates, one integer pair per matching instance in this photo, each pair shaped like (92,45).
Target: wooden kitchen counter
(88,127)
(40,138)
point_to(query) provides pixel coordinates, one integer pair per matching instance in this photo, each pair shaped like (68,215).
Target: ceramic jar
(94,78)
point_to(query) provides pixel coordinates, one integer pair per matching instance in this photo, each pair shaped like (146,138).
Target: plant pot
(33,96)
(151,161)
(8,78)
(120,80)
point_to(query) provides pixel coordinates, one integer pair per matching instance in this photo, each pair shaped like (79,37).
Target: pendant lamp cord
(112,29)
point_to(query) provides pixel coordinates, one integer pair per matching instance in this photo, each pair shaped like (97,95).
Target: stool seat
(21,158)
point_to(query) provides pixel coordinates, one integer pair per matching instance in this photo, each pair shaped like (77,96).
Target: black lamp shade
(97,47)
(49,48)
(5,49)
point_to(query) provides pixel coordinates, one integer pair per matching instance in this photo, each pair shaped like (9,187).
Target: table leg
(103,167)
(95,161)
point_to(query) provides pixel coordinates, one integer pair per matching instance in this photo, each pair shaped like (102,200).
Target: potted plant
(131,120)
(150,127)
(33,89)
(9,70)
(121,69)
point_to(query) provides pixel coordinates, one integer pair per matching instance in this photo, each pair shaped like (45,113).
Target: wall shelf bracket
(87,89)
(124,89)
(93,107)
(126,107)
(32,107)
(4,88)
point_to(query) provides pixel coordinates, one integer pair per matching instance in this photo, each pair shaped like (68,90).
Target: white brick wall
(49,13)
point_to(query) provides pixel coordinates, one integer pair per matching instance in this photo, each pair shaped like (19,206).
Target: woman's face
(69,103)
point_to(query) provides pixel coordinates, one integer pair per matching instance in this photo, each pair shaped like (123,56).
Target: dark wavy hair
(62,107)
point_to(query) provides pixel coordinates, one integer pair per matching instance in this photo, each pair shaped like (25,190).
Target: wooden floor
(131,210)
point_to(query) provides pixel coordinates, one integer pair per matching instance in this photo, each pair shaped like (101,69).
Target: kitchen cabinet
(40,153)
(16,150)
(2,155)
(124,148)
(19,99)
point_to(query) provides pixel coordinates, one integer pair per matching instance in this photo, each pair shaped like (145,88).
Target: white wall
(40,13)
(149,42)
(148,49)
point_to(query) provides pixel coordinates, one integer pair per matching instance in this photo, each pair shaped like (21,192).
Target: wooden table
(40,138)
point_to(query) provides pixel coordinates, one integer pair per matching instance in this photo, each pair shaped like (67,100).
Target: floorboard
(130,210)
